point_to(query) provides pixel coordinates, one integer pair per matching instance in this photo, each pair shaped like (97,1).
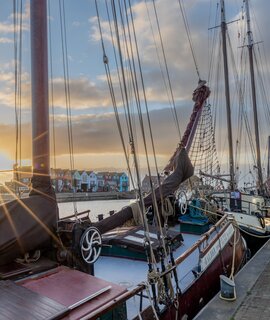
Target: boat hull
(207,283)
(254,240)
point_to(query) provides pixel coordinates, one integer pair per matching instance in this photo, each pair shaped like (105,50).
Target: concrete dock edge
(245,280)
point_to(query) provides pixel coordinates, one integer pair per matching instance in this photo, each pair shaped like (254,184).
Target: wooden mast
(40,109)
(254,101)
(227,93)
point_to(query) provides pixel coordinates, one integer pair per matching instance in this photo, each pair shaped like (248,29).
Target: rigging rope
(184,16)
(116,62)
(242,103)
(131,69)
(110,84)
(245,90)
(67,89)
(158,56)
(131,138)
(167,71)
(125,95)
(241,93)
(154,201)
(262,80)
(17,30)
(211,53)
(52,88)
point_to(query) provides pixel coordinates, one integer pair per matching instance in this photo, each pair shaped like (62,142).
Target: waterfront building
(123,182)
(67,180)
(61,180)
(101,177)
(76,180)
(146,186)
(85,183)
(93,181)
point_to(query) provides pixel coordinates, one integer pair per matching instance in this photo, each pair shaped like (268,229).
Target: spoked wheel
(90,245)
(182,202)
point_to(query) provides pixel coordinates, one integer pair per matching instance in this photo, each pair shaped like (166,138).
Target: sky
(97,145)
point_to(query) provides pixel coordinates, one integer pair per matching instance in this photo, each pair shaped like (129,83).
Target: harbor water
(96,207)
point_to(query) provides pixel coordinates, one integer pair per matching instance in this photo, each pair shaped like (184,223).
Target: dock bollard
(111,212)
(100,217)
(227,288)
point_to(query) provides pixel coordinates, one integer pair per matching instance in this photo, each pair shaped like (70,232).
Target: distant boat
(248,206)
(51,268)
(250,209)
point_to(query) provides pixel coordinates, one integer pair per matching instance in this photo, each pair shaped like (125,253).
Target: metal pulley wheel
(91,244)
(182,202)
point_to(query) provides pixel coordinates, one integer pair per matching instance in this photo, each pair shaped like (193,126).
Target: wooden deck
(252,291)
(18,302)
(58,293)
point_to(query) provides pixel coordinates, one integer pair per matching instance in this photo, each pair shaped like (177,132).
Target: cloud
(179,59)
(83,94)
(8,145)
(5,40)
(7,27)
(98,134)
(77,24)
(177,51)
(7,95)
(7,77)
(93,134)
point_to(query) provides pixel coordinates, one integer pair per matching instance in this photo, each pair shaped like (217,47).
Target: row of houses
(65,180)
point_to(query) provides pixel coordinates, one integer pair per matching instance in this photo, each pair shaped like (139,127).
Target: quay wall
(80,196)
(88,196)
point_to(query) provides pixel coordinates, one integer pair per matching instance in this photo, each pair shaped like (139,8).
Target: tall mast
(227,93)
(254,101)
(40,110)
(268,159)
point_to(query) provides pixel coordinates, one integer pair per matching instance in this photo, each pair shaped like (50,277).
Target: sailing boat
(167,273)
(250,210)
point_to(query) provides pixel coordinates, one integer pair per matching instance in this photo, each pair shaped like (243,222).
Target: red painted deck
(67,287)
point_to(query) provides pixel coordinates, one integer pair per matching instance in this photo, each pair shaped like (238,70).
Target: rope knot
(153,276)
